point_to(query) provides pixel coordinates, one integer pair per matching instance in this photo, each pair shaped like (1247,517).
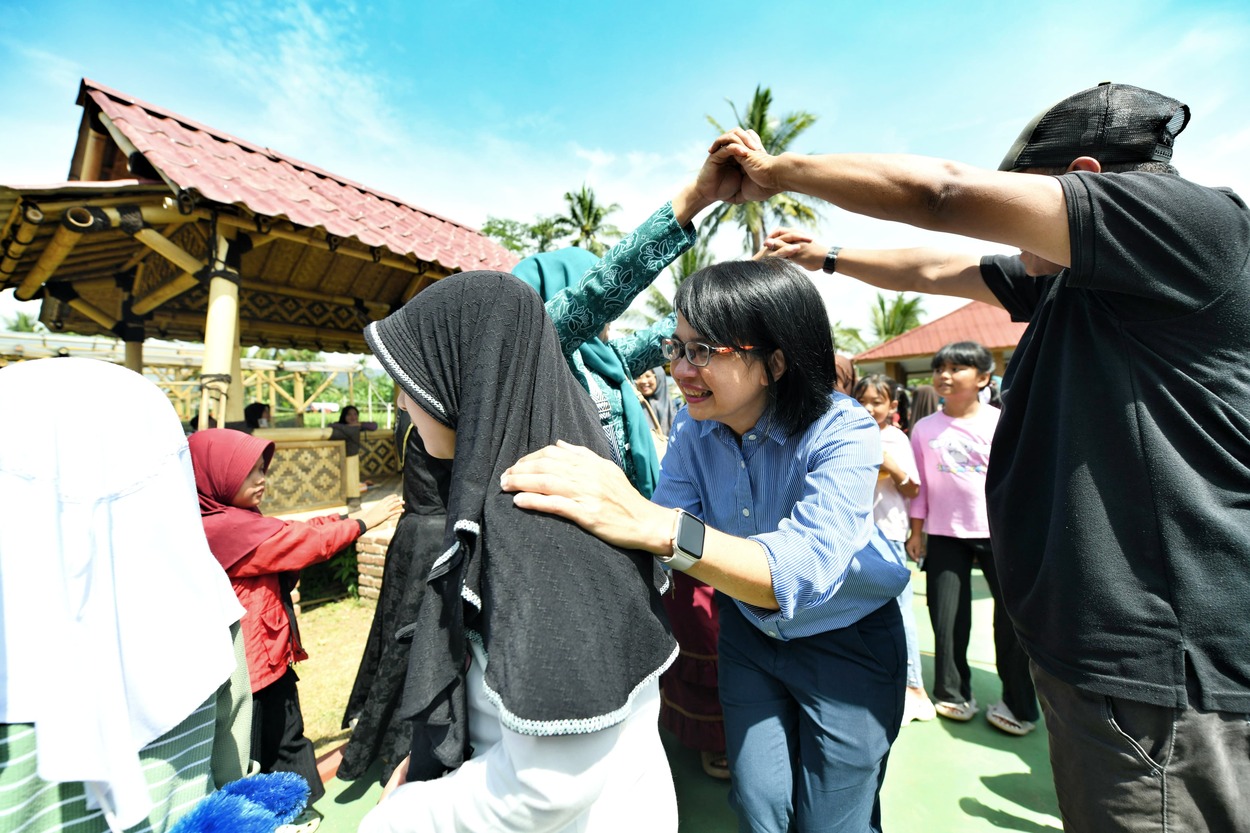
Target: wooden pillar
(235,399)
(300,404)
(221,338)
(897,372)
(134,356)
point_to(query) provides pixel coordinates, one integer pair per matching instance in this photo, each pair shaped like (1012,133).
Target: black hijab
(573,628)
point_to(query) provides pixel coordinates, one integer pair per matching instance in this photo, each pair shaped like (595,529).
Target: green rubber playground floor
(943,777)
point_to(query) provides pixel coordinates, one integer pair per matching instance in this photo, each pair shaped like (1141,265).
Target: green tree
(776,134)
(655,303)
(587,220)
(526,238)
(513,235)
(23,322)
(893,317)
(545,231)
(848,339)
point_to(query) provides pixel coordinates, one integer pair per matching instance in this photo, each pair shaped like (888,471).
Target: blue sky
(472,109)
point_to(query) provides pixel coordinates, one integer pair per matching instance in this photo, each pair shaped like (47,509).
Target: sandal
(917,706)
(963,712)
(715,764)
(1003,719)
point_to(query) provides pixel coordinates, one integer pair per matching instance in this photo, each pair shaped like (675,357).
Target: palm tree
(894,317)
(23,322)
(848,339)
(776,134)
(586,220)
(656,304)
(545,231)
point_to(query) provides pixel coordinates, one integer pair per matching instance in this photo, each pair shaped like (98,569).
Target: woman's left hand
(575,483)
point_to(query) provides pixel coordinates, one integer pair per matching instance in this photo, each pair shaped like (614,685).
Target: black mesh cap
(1113,123)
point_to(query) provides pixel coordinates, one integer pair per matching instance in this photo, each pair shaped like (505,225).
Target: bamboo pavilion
(171,229)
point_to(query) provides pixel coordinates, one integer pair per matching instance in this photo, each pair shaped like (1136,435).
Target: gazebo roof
(986,324)
(125,245)
(989,325)
(191,157)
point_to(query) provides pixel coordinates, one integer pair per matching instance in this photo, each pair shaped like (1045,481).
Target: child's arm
(907,485)
(915,541)
(296,546)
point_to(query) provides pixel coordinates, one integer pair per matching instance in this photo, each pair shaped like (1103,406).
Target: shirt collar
(767,425)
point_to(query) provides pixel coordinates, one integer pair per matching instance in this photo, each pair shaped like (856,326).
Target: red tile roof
(989,325)
(224,169)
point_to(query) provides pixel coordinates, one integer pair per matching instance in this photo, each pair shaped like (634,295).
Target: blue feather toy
(257,804)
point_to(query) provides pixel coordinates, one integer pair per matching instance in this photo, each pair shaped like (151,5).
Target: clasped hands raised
(747,170)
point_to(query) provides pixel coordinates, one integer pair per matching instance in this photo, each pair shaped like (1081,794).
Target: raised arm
(1015,209)
(610,286)
(931,271)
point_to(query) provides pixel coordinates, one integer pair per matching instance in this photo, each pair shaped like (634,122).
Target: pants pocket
(1147,730)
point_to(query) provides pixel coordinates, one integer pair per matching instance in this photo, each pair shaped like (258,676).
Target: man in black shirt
(1119,480)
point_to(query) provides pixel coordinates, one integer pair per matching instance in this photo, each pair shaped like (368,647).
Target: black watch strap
(831,260)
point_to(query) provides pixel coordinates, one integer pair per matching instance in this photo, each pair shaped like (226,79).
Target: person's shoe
(306,822)
(1002,718)
(962,712)
(715,764)
(917,706)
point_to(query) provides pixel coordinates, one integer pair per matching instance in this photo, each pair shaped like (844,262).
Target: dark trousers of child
(278,742)
(948,576)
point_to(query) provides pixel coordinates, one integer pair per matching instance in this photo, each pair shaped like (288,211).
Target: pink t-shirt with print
(953,455)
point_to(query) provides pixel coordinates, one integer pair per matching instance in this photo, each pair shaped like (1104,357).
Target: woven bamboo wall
(304,475)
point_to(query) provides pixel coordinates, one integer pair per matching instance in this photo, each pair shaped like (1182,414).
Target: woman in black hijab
(537,648)
(377,733)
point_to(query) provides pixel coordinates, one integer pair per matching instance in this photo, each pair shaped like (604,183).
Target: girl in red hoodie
(263,557)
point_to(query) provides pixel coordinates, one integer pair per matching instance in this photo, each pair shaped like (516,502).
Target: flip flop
(962,712)
(715,764)
(1003,719)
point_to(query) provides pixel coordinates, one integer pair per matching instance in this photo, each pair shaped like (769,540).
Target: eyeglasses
(696,352)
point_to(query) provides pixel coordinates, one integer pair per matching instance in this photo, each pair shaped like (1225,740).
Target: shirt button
(750,436)
(742,464)
(746,513)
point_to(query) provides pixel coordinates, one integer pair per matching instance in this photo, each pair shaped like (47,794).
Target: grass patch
(334,636)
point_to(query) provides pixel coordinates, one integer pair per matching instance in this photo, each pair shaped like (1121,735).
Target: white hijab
(115,615)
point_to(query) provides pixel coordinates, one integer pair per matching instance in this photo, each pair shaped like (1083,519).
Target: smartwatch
(831,260)
(688,535)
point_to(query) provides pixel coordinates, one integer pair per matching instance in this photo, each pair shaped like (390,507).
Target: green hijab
(550,273)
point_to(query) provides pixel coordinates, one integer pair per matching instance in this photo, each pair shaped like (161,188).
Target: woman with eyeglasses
(766,493)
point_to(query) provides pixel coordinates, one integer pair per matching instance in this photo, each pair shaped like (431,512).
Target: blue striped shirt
(806,498)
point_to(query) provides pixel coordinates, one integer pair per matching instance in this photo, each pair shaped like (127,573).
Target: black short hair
(770,305)
(966,354)
(252,414)
(882,384)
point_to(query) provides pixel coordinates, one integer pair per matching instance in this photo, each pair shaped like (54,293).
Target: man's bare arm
(931,271)
(1023,210)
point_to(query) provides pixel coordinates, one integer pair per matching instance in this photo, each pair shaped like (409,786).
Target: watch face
(690,532)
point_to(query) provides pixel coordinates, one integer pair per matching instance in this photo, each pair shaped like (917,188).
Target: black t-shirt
(1119,480)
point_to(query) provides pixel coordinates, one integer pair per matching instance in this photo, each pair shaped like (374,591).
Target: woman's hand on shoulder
(574,483)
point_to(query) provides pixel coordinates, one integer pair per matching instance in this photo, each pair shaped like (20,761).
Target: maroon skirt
(690,702)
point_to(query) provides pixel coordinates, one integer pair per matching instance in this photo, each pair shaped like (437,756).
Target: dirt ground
(334,636)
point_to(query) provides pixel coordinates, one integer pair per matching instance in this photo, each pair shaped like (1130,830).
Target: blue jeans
(809,722)
(914,678)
